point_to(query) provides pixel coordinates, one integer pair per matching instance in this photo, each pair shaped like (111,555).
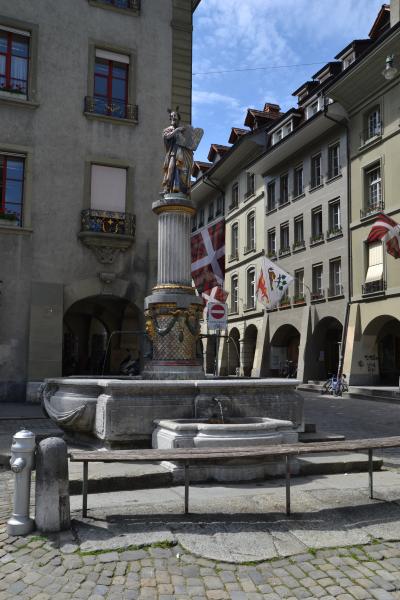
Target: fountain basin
(234,432)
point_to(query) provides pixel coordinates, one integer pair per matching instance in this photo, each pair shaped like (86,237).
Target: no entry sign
(216,315)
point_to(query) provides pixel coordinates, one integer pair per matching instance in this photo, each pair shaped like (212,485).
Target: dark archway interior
(284,347)
(88,326)
(386,331)
(324,349)
(250,341)
(231,354)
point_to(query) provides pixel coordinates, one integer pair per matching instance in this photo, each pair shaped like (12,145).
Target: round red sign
(217,311)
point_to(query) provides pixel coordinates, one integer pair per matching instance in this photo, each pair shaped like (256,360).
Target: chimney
(273,110)
(394,12)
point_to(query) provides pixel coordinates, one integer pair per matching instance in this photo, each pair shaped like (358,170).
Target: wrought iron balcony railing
(374,287)
(371,209)
(271,254)
(298,245)
(117,109)
(299,299)
(285,302)
(284,251)
(102,221)
(317,295)
(333,232)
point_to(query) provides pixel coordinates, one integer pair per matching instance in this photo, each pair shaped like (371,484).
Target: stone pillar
(173,311)
(52,486)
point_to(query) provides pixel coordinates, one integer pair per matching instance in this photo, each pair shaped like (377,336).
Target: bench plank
(209,454)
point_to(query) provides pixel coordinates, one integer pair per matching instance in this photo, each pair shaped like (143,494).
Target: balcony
(372,209)
(335,290)
(298,245)
(317,295)
(107,233)
(317,238)
(285,251)
(374,287)
(371,134)
(117,110)
(333,232)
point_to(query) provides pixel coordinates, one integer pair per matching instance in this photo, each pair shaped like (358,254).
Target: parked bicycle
(335,385)
(288,370)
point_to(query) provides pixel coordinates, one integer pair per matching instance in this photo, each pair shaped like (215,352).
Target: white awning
(121,58)
(375,262)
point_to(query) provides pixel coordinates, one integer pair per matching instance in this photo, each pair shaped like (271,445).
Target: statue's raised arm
(180,143)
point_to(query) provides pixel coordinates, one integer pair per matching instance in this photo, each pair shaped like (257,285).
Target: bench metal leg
(287,459)
(370,473)
(186,488)
(84,488)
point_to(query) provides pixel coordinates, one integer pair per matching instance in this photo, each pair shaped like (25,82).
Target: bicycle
(335,385)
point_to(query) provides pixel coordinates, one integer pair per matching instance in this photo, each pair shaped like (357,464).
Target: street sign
(217,315)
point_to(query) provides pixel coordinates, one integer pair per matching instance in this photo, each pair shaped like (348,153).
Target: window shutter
(375,262)
(108,188)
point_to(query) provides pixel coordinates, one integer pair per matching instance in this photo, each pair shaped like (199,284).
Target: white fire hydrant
(22,462)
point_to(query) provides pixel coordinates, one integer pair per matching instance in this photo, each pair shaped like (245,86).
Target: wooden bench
(192,456)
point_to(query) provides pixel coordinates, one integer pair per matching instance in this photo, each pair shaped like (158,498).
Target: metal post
(287,459)
(85,488)
(186,488)
(21,463)
(370,473)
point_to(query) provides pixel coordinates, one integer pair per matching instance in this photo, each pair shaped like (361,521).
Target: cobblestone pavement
(34,567)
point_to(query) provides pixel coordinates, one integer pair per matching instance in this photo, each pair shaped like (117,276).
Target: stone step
(376,394)
(338,462)
(314,436)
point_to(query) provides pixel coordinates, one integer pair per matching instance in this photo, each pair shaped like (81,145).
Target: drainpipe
(349,264)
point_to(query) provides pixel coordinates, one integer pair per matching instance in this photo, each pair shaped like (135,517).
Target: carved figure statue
(180,143)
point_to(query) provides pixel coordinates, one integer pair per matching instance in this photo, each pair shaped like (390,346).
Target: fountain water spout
(221,410)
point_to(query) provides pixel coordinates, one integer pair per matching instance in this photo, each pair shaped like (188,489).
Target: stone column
(52,486)
(173,311)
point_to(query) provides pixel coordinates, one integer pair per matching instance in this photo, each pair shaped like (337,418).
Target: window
(251,232)
(251,288)
(271,196)
(285,244)
(316,171)
(335,225)
(108,188)
(234,241)
(129,4)
(250,185)
(374,123)
(14,61)
(317,290)
(110,96)
(288,128)
(201,217)
(211,211)
(348,60)
(299,285)
(374,187)
(316,225)
(271,243)
(12,188)
(277,136)
(234,196)
(284,191)
(220,206)
(234,294)
(298,181)
(335,277)
(333,161)
(298,233)
(312,109)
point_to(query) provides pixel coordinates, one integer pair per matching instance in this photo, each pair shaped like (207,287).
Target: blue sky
(236,34)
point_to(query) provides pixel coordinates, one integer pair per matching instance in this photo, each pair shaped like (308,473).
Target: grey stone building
(84,91)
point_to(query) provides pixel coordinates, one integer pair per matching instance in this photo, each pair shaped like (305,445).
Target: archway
(211,352)
(249,349)
(230,363)
(381,350)
(284,347)
(89,345)
(322,354)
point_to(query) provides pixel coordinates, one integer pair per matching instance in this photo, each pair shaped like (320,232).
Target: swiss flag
(208,257)
(387,230)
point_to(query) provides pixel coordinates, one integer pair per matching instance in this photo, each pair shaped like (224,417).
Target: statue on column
(180,143)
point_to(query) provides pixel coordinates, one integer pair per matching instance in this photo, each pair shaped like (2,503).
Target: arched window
(251,288)
(234,294)
(234,241)
(251,231)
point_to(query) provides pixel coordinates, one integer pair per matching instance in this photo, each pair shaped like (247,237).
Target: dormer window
(348,60)
(288,128)
(313,108)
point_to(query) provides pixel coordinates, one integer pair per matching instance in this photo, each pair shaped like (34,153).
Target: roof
(381,23)
(305,88)
(270,112)
(195,4)
(200,166)
(236,133)
(357,45)
(217,149)
(334,68)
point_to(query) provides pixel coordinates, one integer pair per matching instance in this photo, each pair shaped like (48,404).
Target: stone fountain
(173,402)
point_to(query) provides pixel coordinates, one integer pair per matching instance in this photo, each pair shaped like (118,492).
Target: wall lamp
(389,72)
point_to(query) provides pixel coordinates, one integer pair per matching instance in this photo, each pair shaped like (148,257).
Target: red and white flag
(217,294)
(208,257)
(388,231)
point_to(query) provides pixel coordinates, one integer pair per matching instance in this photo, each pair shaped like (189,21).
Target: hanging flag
(272,283)
(217,294)
(208,257)
(387,230)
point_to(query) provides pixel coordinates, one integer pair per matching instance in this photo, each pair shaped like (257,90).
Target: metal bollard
(22,462)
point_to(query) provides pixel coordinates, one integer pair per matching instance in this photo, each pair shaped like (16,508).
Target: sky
(230,35)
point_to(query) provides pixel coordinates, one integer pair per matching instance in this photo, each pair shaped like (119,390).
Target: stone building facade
(369,91)
(84,92)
